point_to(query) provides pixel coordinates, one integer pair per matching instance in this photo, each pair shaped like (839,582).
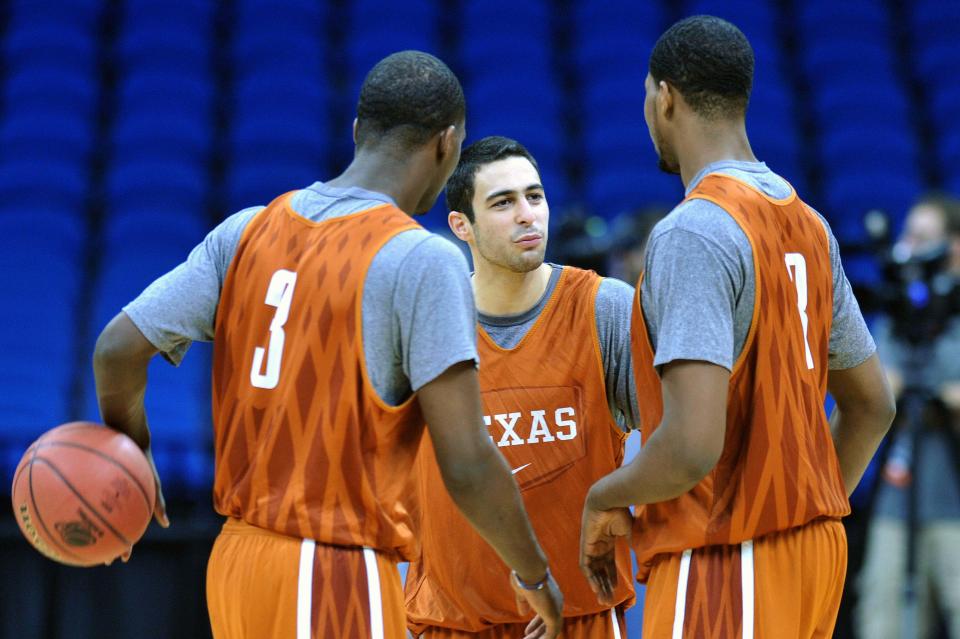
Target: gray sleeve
(181,306)
(850,340)
(613,307)
(689,294)
(435,314)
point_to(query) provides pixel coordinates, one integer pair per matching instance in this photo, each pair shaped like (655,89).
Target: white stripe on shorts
(305,588)
(746,582)
(681,607)
(373,589)
(616,624)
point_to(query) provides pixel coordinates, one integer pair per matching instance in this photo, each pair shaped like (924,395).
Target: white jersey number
(279,294)
(797,269)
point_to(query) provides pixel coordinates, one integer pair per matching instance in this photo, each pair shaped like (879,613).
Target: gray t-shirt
(700,285)
(613,307)
(937,484)
(418,311)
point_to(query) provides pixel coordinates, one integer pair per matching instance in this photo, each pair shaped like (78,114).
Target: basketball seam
(83,500)
(36,513)
(106,457)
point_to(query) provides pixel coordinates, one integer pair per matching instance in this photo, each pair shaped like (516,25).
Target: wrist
(596,498)
(525,584)
(532,574)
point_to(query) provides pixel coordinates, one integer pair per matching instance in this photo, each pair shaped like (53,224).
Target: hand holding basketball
(83,494)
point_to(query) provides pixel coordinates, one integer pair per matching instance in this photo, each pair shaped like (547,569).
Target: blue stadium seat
(251,182)
(60,43)
(851,193)
(934,21)
(177,187)
(262,51)
(44,183)
(827,20)
(162,134)
(130,233)
(852,59)
(481,17)
(61,233)
(82,13)
(152,46)
(935,61)
(843,103)
(261,29)
(861,147)
(615,190)
(645,19)
(49,87)
(288,139)
(188,90)
(288,95)
(61,135)
(488,56)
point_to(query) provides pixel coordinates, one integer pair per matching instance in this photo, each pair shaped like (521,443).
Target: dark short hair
(460,186)
(408,96)
(709,61)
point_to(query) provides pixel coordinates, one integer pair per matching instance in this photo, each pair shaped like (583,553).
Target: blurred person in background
(917,500)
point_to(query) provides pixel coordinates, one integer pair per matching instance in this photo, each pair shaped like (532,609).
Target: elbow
(887,412)
(461,478)
(693,463)
(109,349)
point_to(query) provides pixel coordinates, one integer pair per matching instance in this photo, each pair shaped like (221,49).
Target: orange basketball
(83,494)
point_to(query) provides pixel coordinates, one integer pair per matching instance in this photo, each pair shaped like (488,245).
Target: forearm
(856,437)
(661,471)
(120,363)
(488,497)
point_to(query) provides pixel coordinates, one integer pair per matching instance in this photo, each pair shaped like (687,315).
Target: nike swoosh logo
(517,470)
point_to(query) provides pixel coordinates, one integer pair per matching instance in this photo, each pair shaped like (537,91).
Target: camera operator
(911,566)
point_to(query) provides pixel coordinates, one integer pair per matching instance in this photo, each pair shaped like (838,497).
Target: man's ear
(460,226)
(447,142)
(666,99)
(355,122)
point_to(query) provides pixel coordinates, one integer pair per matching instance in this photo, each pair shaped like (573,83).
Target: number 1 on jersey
(280,295)
(797,269)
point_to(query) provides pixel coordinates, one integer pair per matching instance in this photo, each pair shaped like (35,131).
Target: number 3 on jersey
(280,295)
(797,269)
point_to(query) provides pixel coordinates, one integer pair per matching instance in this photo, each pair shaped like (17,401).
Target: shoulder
(421,247)
(614,292)
(419,255)
(232,227)
(702,218)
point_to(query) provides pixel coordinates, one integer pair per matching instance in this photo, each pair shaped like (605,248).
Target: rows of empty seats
(128,128)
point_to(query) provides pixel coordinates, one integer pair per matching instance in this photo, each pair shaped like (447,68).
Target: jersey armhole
(758,289)
(598,353)
(364,373)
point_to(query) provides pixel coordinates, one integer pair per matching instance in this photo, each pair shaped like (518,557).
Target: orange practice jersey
(304,446)
(779,468)
(545,406)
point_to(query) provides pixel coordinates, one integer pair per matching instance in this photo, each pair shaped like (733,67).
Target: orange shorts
(602,625)
(785,585)
(262,585)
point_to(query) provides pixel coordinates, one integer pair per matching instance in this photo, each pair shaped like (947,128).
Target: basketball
(83,494)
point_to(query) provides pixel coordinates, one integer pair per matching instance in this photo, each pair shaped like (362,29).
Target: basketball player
(558,399)
(339,327)
(744,319)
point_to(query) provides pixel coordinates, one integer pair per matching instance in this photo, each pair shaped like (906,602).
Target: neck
(384,173)
(708,142)
(499,291)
